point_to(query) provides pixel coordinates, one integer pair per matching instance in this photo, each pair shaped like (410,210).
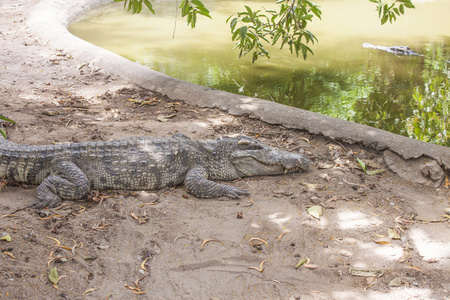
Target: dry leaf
(207,241)
(364,272)
(383,243)
(88,291)
(258,239)
(165,119)
(393,234)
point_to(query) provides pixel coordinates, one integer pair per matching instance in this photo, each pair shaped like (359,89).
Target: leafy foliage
(430,121)
(287,26)
(189,9)
(2,131)
(135,6)
(390,12)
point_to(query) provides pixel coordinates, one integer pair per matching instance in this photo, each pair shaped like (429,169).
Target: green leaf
(255,56)
(6,237)
(374,172)
(315,211)
(53,276)
(243,31)
(201,8)
(3,132)
(384,19)
(249,10)
(305,17)
(233,24)
(149,6)
(362,165)
(194,19)
(2,117)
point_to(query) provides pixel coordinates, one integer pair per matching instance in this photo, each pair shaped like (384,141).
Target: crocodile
(68,171)
(399,50)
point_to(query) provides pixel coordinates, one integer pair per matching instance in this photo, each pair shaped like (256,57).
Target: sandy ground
(166,244)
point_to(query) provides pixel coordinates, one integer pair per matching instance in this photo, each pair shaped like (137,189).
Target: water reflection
(402,94)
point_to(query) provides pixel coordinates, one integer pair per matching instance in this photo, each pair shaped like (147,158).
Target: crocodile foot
(50,201)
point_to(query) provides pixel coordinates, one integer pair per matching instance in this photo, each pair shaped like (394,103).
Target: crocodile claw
(43,203)
(236,193)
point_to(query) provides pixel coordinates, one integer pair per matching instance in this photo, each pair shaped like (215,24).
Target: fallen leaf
(283,193)
(281,235)
(147,103)
(150,203)
(88,291)
(383,243)
(399,281)
(393,233)
(315,187)
(364,272)
(143,264)
(310,266)
(315,211)
(9,254)
(362,165)
(380,235)
(8,216)
(325,166)
(51,113)
(57,242)
(53,276)
(140,219)
(414,268)
(375,172)
(207,241)
(258,239)
(300,262)
(164,119)
(5,237)
(260,269)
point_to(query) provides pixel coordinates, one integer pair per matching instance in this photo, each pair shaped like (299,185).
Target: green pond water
(408,95)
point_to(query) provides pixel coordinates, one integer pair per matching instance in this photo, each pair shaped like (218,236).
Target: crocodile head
(231,158)
(253,158)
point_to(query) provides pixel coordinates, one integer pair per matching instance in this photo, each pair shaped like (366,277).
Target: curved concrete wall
(49,19)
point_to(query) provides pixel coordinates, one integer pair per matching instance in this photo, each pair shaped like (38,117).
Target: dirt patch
(166,244)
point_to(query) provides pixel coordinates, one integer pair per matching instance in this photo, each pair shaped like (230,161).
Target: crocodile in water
(399,50)
(69,171)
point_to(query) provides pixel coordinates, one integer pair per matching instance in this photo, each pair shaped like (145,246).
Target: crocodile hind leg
(66,182)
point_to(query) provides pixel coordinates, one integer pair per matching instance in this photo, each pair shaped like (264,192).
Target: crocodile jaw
(269,161)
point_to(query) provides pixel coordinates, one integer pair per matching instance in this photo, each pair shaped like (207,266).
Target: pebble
(315,200)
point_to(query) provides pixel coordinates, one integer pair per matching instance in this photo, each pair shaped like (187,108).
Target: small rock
(421,170)
(315,200)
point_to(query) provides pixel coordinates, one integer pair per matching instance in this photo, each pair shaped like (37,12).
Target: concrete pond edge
(49,20)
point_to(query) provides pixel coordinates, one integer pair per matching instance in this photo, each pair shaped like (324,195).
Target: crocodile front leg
(67,182)
(197,184)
